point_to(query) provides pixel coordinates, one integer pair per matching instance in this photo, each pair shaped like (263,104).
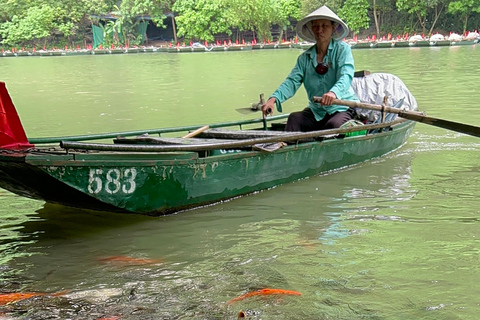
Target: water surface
(393,238)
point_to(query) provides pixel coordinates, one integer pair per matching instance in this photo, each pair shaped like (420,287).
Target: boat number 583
(112,180)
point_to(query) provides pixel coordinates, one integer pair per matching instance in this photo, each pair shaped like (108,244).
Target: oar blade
(247,110)
(445,124)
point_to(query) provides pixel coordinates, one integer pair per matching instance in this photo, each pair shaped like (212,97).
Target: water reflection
(209,255)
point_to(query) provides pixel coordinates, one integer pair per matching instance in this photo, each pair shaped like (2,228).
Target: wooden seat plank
(243,134)
(168,140)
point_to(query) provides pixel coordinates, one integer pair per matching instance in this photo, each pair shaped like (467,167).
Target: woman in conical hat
(326,70)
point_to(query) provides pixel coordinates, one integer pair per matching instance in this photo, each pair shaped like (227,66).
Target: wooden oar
(413,115)
(196,132)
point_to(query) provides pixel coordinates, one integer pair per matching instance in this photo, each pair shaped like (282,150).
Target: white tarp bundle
(374,87)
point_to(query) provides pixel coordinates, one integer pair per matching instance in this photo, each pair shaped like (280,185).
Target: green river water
(394,238)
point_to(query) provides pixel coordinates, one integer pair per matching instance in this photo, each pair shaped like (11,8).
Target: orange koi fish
(265,292)
(125,260)
(6,298)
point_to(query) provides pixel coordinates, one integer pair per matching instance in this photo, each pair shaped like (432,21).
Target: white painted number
(94,180)
(129,175)
(113,181)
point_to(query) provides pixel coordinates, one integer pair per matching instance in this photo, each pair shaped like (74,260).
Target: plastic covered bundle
(374,87)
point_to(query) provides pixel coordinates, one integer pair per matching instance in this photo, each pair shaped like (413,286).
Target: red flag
(12,135)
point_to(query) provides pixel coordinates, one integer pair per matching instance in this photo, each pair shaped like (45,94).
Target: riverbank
(196,47)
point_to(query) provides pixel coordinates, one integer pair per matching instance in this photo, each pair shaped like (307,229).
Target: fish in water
(264,292)
(126,260)
(6,298)
(247,313)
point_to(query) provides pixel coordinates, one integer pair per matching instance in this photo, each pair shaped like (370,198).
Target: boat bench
(210,136)
(244,134)
(167,141)
(204,146)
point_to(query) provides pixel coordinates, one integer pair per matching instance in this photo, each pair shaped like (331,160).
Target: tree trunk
(437,14)
(465,24)
(422,22)
(174,29)
(375,17)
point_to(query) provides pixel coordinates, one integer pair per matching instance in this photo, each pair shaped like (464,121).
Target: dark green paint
(168,182)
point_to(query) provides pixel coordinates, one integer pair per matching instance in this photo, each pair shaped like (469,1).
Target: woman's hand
(328,98)
(267,108)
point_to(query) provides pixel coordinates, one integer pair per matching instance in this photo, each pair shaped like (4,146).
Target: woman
(326,70)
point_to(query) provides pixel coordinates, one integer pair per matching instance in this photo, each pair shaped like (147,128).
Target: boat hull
(33,182)
(162,183)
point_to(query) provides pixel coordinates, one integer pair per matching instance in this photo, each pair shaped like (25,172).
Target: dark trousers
(305,120)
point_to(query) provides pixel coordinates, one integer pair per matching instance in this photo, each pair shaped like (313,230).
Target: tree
(26,21)
(37,23)
(355,14)
(415,7)
(464,8)
(200,19)
(130,13)
(309,6)
(255,15)
(288,9)
(438,7)
(420,8)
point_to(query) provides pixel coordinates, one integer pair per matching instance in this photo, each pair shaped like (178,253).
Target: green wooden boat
(463,42)
(385,44)
(238,47)
(440,43)
(116,51)
(420,43)
(217,48)
(402,44)
(146,173)
(269,46)
(363,45)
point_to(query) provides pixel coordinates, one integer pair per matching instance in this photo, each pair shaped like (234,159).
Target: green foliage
(260,15)
(464,8)
(289,9)
(423,9)
(309,6)
(413,6)
(255,15)
(34,22)
(38,23)
(201,19)
(355,14)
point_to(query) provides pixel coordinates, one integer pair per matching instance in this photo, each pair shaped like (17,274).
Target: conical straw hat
(304,26)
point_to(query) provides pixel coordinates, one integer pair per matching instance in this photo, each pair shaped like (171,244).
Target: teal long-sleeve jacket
(338,79)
